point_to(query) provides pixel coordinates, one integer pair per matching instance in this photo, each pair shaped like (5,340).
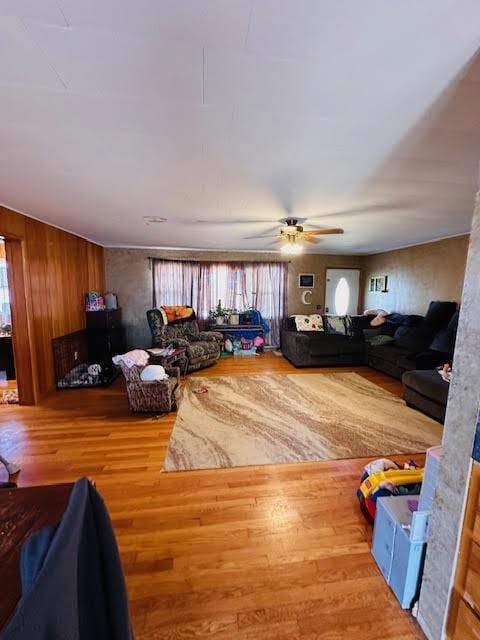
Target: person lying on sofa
(384,317)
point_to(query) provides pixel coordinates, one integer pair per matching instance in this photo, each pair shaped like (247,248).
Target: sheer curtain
(173,282)
(268,283)
(238,285)
(5,317)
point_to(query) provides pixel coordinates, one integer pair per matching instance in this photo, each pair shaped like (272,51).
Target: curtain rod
(151,258)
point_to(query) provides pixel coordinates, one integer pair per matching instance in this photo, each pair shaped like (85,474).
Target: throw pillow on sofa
(312,322)
(380,339)
(369,334)
(334,325)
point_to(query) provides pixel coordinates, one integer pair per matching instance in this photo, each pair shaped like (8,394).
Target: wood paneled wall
(58,269)
(416,275)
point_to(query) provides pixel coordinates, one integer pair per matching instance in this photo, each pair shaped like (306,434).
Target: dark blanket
(72,580)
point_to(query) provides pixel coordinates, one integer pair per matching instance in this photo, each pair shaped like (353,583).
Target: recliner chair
(202,347)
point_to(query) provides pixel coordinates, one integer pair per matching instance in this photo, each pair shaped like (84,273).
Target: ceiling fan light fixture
(291,248)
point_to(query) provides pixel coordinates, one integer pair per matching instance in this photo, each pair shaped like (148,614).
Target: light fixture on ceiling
(291,246)
(153,220)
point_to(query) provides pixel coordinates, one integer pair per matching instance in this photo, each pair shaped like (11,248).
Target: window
(238,285)
(342,297)
(5,317)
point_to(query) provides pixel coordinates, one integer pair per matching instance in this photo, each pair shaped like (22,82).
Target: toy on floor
(384,478)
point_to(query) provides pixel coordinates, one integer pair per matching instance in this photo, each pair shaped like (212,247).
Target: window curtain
(238,285)
(5,317)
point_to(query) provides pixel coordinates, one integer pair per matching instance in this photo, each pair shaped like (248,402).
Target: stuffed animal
(94,369)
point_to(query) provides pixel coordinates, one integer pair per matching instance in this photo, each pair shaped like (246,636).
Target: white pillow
(153,372)
(313,322)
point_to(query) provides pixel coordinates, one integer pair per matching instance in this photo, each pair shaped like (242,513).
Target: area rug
(9,396)
(271,419)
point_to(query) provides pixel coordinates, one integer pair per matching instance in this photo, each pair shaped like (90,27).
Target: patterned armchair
(202,347)
(155,396)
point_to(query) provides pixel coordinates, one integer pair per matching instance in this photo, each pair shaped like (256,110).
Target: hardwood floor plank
(255,553)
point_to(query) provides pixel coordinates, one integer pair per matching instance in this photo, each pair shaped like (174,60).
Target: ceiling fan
(292,233)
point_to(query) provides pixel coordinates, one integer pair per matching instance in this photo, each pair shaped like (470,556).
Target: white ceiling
(361,115)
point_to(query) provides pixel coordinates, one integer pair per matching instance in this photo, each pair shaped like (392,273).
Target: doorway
(342,288)
(8,377)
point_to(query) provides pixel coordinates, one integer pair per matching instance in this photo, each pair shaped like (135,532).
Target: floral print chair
(152,396)
(202,347)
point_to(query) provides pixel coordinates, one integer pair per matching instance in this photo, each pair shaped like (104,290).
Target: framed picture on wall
(380,284)
(306,280)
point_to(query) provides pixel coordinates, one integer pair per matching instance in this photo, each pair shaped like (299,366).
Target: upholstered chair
(151,396)
(202,347)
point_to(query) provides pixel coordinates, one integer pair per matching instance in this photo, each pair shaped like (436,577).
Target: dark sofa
(427,392)
(423,343)
(341,343)
(419,343)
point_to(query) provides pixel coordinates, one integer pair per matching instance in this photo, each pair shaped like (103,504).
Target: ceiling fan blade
(381,207)
(224,221)
(322,232)
(308,239)
(275,235)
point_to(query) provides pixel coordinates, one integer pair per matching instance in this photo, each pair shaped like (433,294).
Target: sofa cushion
(444,341)
(453,323)
(413,339)
(440,313)
(407,363)
(428,383)
(357,324)
(312,322)
(325,345)
(369,334)
(334,325)
(200,349)
(389,352)
(350,347)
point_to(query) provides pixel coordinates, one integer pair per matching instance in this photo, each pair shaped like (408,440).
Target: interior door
(341,291)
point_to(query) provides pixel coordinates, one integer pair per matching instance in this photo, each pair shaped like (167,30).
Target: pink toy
(258,341)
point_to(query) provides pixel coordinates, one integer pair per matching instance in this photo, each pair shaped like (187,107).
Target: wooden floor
(258,553)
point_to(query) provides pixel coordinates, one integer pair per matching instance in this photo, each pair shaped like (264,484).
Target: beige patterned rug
(271,419)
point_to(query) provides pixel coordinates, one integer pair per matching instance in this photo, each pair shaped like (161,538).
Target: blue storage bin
(399,543)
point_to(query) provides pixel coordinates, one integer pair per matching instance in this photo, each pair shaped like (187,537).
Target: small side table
(177,358)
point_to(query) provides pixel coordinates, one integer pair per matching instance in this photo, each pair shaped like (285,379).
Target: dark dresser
(105,336)
(7,362)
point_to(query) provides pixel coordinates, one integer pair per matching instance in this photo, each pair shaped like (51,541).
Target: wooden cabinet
(464,615)
(107,319)
(467,623)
